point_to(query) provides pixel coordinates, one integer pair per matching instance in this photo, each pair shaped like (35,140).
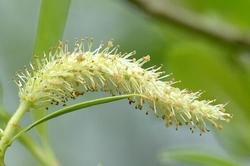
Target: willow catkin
(63,75)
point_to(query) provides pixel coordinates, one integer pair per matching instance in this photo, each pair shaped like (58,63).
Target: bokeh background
(115,134)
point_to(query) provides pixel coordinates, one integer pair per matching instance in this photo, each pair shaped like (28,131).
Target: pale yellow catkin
(63,75)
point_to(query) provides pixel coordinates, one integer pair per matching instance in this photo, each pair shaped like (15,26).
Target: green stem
(11,128)
(29,144)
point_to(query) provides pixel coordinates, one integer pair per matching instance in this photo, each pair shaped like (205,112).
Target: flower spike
(66,75)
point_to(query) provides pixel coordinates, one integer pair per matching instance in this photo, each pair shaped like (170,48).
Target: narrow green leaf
(1,94)
(52,21)
(51,25)
(2,111)
(4,118)
(73,108)
(195,157)
(3,115)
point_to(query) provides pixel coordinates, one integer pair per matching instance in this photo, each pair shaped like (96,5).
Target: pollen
(64,75)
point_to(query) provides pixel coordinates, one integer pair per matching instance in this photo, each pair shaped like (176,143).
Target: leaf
(52,21)
(3,117)
(1,94)
(195,157)
(2,111)
(202,66)
(73,108)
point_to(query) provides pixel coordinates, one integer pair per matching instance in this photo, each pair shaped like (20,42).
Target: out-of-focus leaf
(1,94)
(201,67)
(3,117)
(52,21)
(2,113)
(100,164)
(232,11)
(195,158)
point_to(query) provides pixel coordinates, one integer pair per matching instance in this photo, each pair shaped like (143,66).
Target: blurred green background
(115,134)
